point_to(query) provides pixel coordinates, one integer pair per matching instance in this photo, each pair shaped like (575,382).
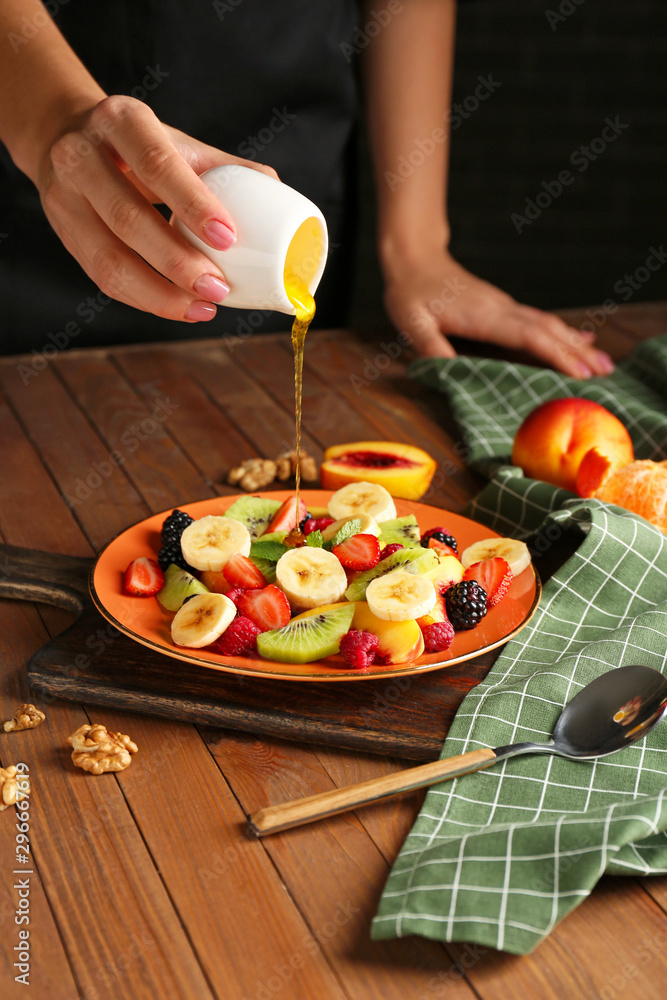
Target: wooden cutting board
(93,662)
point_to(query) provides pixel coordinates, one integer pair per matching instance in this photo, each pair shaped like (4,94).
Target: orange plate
(146,621)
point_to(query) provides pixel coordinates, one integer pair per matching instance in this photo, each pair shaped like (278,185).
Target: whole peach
(554,438)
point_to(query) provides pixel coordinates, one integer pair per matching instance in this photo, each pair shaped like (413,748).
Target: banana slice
(310,577)
(400,596)
(513,552)
(369,526)
(202,620)
(210,541)
(362,498)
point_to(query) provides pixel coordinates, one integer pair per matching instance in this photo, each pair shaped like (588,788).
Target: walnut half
(286,462)
(25,717)
(252,474)
(9,793)
(97,750)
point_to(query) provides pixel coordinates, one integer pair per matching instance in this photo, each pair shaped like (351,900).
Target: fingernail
(211,288)
(584,371)
(200,311)
(219,235)
(587,335)
(606,364)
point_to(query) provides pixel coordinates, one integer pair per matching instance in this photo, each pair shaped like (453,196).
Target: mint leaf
(267,550)
(345,531)
(315,540)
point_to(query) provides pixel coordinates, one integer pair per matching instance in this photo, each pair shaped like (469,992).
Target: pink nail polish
(219,235)
(211,288)
(584,371)
(606,363)
(201,311)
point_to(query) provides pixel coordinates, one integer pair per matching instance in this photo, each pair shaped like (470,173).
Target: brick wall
(564,68)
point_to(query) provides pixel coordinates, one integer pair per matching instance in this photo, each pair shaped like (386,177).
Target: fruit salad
(293,585)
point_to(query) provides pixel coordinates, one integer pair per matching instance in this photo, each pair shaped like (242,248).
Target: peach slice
(552,441)
(448,571)
(215,581)
(593,471)
(403,470)
(400,642)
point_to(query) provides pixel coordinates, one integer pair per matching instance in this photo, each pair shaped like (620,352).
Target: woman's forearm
(43,84)
(408,78)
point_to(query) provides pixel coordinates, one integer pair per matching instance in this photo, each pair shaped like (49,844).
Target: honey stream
(304,305)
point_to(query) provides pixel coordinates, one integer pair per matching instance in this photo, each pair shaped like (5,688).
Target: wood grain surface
(144,883)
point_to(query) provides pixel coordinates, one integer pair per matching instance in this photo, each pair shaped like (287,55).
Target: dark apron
(229,73)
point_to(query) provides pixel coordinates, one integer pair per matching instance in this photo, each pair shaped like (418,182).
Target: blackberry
(466,604)
(440,535)
(170,536)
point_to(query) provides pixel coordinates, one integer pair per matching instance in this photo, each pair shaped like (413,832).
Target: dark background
(605,59)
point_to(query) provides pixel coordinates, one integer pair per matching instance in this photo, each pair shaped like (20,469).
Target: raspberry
(389,550)
(239,637)
(440,535)
(234,593)
(437,636)
(359,648)
(466,604)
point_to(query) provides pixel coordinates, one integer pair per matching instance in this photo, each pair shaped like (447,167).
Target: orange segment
(640,487)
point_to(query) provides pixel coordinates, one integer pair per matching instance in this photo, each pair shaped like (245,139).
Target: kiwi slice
(254,512)
(306,639)
(403,530)
(411,560)
(178,586)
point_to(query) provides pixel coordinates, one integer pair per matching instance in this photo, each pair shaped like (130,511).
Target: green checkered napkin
(500,856)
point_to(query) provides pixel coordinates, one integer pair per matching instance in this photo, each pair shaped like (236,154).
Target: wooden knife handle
(338,800)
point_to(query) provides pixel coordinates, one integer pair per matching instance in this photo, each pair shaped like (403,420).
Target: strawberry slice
(358,552)
(242,572)
(494,575)
(287,517)
(267,608)
(143,577)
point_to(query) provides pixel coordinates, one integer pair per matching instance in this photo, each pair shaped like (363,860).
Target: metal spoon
(611,712)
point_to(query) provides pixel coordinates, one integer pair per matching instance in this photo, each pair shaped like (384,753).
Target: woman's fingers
(99,195)
(566,348)
(144,146)
(141,227)
(117,270)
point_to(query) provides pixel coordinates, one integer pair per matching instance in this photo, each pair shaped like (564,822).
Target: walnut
(97,750)
(308,465)
(283,468)
(9,793)
(252,474)
(309,470)
(25,717)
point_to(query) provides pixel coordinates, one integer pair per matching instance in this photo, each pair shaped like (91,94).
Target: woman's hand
(432,297)
(98,183)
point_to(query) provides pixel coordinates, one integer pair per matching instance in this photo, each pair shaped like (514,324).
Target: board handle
(47,577)
(338,800)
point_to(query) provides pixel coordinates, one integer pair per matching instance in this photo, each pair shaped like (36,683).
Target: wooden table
(144,884)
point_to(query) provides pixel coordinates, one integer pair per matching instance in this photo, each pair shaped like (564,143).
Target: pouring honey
(300,265)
